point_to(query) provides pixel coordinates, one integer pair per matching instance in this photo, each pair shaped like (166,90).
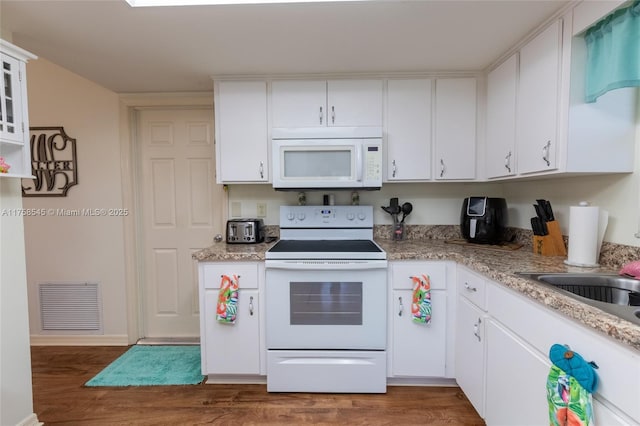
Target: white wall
(79,249)
(16,404)
(433,203)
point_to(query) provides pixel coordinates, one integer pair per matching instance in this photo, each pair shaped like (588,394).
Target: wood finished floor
(60,398)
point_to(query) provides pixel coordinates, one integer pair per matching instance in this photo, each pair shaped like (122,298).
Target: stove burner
(325,246)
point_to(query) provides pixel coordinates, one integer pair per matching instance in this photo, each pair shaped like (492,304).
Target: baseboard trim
(59,340)
(235,379)
(418,381)
(30,420)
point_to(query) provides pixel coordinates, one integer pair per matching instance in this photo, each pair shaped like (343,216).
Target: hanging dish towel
(227,299)
(570,383)
(421,304)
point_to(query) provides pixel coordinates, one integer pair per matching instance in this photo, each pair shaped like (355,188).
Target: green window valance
(613,52)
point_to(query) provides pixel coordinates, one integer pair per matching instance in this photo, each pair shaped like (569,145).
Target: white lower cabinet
(470,352)
(231,349)
(502,344)
(419,349)
(516,378)
(415,349)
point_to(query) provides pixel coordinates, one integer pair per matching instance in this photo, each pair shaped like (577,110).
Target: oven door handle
(320,265)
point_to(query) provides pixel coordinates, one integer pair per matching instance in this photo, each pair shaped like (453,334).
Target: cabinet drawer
(473,287)
(619,367)
(247,272)
(401,273)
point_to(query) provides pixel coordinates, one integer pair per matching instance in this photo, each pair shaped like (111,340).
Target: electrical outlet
(261,209)
(236,209)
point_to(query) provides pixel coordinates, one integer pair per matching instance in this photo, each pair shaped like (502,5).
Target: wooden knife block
(551,244)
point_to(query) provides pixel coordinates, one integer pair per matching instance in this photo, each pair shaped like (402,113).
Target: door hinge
(19,75)
(23,127)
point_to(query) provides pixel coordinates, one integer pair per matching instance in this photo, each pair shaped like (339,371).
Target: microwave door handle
(359,150)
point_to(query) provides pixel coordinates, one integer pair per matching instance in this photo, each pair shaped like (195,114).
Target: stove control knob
(291,216)
(301,216)
(351,216)
(362,216)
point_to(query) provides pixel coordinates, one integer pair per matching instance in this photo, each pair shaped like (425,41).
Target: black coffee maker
(483,220)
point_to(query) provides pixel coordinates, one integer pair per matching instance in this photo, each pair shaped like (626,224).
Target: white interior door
(181,210)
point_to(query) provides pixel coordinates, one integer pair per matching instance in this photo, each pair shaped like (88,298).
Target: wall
(433,203)
(79,249)
(16,404)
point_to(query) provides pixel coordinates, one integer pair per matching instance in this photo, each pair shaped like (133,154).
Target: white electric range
(326,302)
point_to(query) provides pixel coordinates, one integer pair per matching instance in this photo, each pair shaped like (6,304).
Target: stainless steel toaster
(245,231)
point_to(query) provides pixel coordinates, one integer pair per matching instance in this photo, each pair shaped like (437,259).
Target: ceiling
(177,49)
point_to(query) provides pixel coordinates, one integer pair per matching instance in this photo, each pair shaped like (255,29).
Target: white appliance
(329,157)
(326,302)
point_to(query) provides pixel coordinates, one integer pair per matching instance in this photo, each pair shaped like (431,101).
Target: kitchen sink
(615,294)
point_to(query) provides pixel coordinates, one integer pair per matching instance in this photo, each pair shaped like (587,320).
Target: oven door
(332,304)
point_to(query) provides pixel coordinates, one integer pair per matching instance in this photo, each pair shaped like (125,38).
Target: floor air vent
(72,308)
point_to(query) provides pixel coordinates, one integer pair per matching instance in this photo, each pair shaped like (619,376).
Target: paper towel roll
(584,241)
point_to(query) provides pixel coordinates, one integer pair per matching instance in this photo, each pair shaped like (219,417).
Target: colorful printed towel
(570,403)
(421,306)
(227,299)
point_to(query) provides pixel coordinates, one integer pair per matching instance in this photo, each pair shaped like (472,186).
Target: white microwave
(329,157)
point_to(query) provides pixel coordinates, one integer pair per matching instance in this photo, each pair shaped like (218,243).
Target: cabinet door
(536,133)
(408,130)
(10,106)
(241,130)
(470,352)
(455,133)
(354,103)
(501,119)
(299,103)
(232,348)
(419,350)
(516,380)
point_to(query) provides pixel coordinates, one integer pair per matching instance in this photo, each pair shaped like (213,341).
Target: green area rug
(152,366)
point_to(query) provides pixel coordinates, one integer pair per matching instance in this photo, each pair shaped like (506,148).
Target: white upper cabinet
(455,129)
(556,131)
(408,130)
(501,119)
(321,103)
(14,113)
(354,102)
(299,103)
(242,142)
(538,95)
(11,101)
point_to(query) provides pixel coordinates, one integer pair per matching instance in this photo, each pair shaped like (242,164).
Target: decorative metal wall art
(54,163)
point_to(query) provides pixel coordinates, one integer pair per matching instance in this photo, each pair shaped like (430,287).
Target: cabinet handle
(321,115)
(507,162)
(400,306)
(545,153)
(469,288)
(333,114)
(476,329)
(441,167)
(393,173)
(261,170)
(251,305)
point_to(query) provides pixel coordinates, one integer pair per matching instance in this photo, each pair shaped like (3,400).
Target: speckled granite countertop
(498,265)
